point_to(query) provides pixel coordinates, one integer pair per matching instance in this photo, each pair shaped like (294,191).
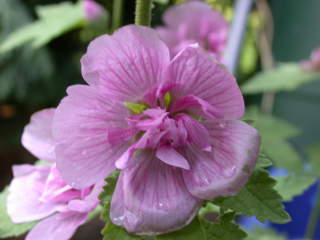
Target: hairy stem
(143,12)
(117,14)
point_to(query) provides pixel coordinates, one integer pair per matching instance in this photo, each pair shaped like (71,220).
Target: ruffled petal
(25,190)
(80,126)
(37,135)
(151,198)
(170,156)
(127,63)
(225,170)
(195,73)
(60,226)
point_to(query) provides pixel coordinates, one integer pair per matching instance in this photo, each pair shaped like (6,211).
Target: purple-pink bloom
(313,63)
(182,147)
(194,22)
(38,192)
(92,10)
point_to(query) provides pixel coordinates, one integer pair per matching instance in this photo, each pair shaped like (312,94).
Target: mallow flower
(169,124)
(38,192)
(92,10)
(312,64)
(194,22)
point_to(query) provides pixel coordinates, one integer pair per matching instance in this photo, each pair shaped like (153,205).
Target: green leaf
(263,161)
(264,234)
(314,158)
(106,196)
(225,229)
(190,232)
(286,77)
(7,227)
(54,20)
(275,133)
(113,232)
(258,198)
(293,185)
(31,83)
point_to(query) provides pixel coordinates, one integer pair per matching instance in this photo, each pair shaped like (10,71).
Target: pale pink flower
(313,63)
(183,148)
(92,10)
(38,192)
(194,22)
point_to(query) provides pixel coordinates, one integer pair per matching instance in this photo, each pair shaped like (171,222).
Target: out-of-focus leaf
(293,185)
(264,234)
(275,133)
(258,198)
(114,232)
(286,77)
(24,73)
(54,20)
(314,158)
(7,227)
(162,2)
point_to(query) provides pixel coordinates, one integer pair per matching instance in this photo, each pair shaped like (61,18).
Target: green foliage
(7,227)
(113,232)
(293,185)
(263,161)
(24,72)
(54,20)
(286,77)
(275,133)
(264,234)
(225,229)
(258,198)
(314,158)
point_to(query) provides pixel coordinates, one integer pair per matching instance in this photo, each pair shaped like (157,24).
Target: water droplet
(229,172)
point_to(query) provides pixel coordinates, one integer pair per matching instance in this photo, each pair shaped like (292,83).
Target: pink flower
(194,22)
(314,62)
(40,193)
(92,10)
(168,124)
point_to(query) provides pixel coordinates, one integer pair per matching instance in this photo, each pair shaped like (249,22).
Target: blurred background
(40,61)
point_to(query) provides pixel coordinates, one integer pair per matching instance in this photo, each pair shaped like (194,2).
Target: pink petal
(90,202)
(25,190)
(195,73)
(81,123)
(152,198)
(37,135)
(92,10)
(224,171)
(127,63)
(170,156)
(60,226)
(197,133)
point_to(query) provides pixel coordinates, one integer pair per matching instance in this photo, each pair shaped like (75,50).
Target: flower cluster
(163,113)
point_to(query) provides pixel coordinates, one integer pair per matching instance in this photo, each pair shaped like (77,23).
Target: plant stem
(314,216)
(117,14)
(239,23)
(143,12)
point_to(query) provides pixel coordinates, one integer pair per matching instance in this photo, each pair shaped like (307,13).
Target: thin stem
(264,45)
(117,14)
(314,216)
(143,12)
(239,23)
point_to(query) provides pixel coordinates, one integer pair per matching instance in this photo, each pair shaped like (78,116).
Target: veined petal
(37,135)
(170,156)
(195,73)
(59,226)
(80,126)
(225,170)
(151,198)
(127,63)
(25,190)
